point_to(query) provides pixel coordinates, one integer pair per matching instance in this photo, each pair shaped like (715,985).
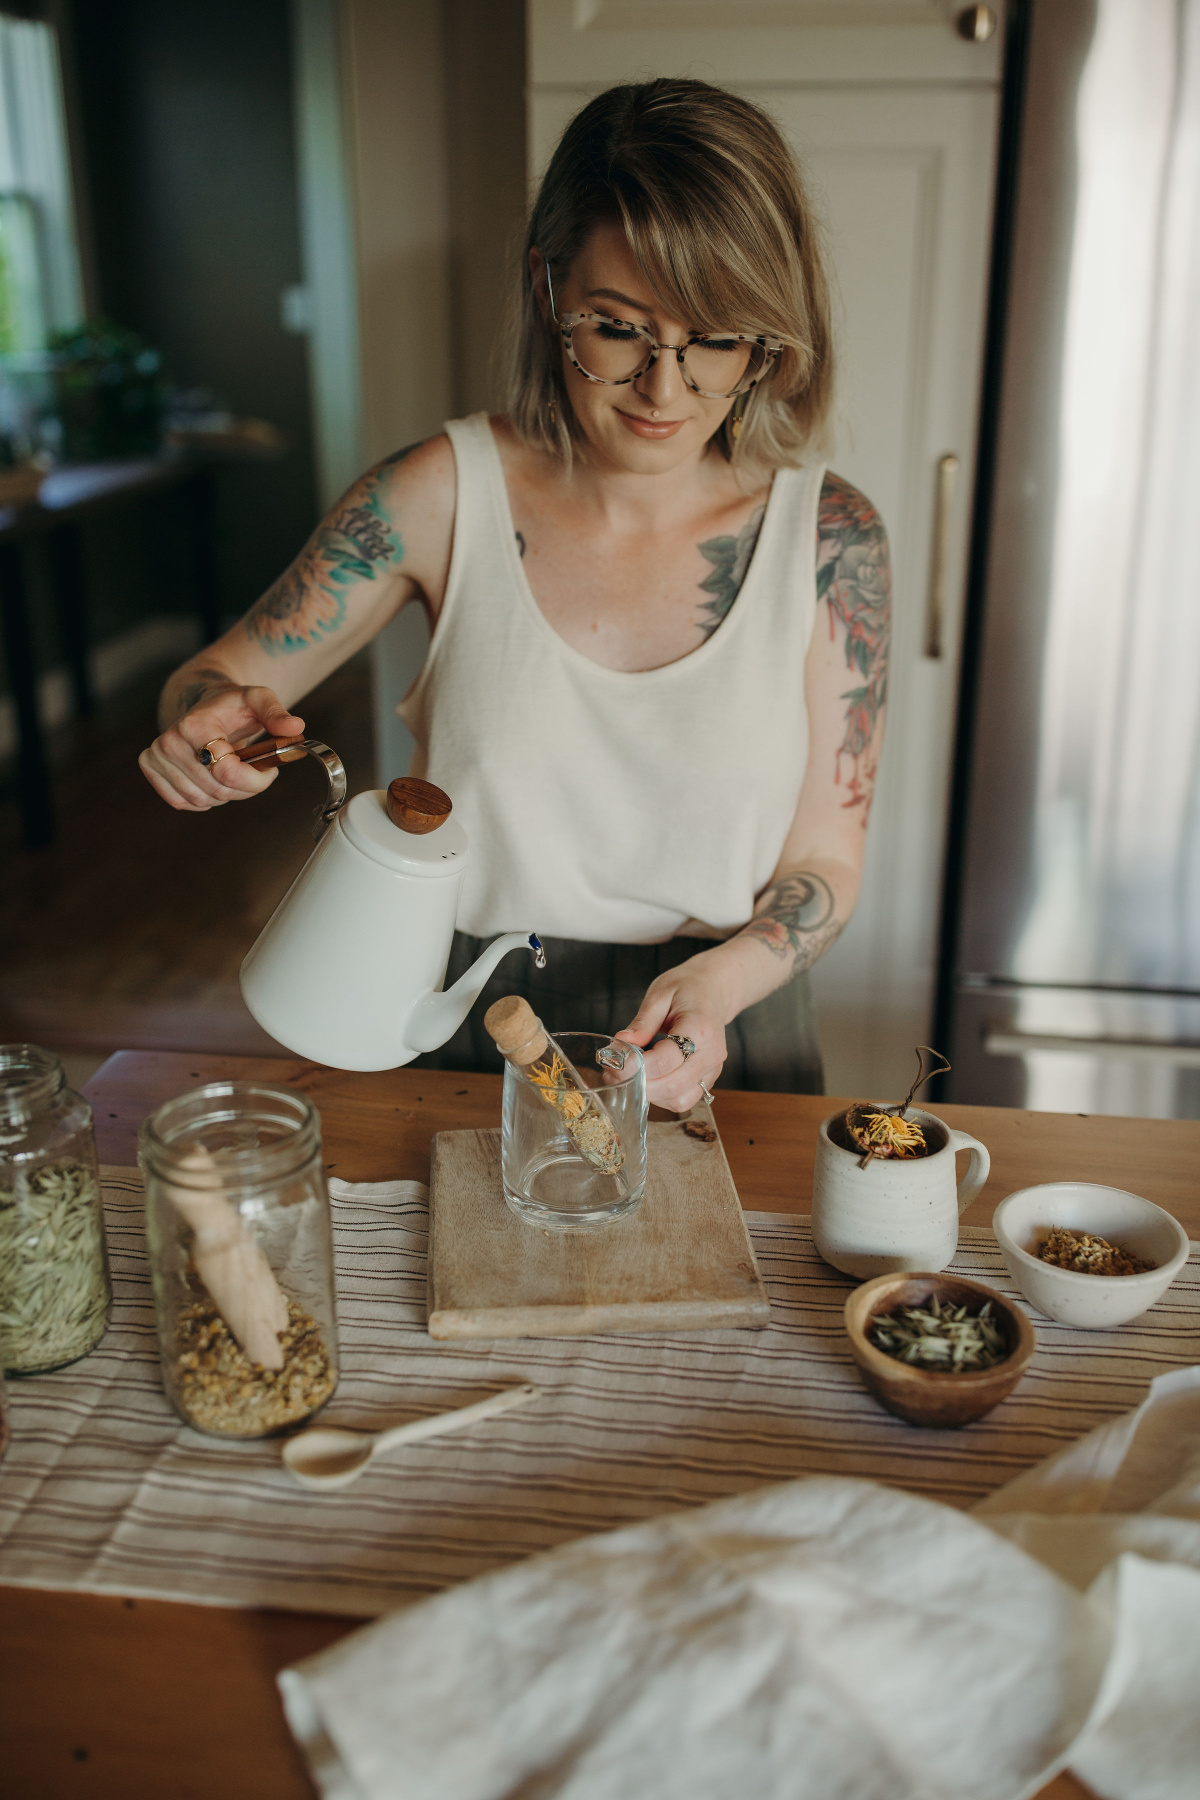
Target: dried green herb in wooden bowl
(937,1392)
(940,1335)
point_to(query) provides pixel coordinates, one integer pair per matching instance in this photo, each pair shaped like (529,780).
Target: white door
(896,127)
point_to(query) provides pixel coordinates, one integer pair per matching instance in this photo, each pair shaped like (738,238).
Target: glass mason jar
(547,1180)
(55,1291)
(241,1253)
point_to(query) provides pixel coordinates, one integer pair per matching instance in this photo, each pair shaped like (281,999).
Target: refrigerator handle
(935,611)
(1022,1043)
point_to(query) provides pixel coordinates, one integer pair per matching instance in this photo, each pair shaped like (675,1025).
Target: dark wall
(488,186)
(185,116)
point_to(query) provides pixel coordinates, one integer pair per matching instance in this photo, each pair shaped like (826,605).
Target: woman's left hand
(688,1002)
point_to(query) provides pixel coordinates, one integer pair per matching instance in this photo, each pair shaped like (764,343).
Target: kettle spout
(436,1017)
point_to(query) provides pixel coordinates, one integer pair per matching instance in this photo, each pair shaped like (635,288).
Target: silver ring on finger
(685,1044)
(708,1098)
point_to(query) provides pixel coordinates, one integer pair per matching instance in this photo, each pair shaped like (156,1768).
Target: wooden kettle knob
(416,806)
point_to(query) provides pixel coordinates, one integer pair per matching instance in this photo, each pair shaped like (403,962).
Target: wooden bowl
(931,1396)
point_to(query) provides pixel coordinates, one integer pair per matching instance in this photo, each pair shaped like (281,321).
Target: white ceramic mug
(897,1213)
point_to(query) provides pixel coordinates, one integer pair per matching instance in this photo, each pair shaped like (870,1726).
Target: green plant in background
(8,322)
(22,308)
(109,392)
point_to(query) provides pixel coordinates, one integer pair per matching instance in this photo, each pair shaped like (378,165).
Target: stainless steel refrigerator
(1071,967)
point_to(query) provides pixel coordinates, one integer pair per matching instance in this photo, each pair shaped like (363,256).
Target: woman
(655,686)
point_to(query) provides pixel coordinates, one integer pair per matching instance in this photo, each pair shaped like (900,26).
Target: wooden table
(106,1699)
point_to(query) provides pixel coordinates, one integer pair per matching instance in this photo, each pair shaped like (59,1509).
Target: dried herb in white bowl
(1086,1254)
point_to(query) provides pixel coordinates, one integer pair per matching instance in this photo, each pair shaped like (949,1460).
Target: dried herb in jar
(941,1336)
(54,1289)
(221,1390)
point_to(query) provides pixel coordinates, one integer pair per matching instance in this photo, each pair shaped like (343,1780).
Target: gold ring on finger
(206,758)
(216,759)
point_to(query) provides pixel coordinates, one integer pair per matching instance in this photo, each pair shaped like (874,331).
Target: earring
(553,413)
(739,407)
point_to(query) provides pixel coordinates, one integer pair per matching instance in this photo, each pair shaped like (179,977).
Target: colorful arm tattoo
(854,576)
(730,559)
(352,545)
(798,918)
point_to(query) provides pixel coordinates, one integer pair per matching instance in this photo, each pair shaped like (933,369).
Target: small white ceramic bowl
(1022,1221)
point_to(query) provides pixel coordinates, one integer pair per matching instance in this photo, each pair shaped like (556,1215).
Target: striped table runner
(103,1490)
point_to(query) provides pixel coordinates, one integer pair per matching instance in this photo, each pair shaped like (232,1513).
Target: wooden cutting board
(682,1262)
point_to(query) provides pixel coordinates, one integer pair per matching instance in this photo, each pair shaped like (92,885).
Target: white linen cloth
(825,1638)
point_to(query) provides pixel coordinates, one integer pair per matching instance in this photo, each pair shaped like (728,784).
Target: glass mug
(547,1180)
(241,1252)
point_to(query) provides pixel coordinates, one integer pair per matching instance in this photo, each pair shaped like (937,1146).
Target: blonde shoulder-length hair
(716,214)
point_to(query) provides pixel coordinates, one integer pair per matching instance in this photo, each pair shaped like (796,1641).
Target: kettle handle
(273,752)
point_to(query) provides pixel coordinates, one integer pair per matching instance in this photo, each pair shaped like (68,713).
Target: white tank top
(600,804)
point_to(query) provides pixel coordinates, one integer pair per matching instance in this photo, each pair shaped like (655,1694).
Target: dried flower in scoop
(885,1134)
(588,1125)
(523,1039)
(1089,1255)
(941,1336)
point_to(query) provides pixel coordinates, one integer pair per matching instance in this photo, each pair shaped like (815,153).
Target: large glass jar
(55,1291)
(241,1252)
(557,1170)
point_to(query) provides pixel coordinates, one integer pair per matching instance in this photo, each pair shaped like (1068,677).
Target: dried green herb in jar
(54,1289)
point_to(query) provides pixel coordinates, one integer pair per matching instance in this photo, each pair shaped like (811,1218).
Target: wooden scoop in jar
(231,1263)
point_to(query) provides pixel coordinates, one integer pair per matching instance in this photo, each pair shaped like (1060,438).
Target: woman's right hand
(230,715)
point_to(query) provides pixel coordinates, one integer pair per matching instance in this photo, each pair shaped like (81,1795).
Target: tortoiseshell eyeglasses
(612,352)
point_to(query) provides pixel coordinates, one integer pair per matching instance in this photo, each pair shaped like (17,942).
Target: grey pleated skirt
(773,1047)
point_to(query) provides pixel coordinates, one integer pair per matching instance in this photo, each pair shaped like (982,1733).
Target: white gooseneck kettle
(349,967)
